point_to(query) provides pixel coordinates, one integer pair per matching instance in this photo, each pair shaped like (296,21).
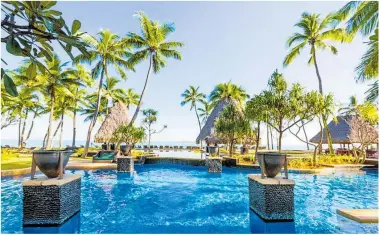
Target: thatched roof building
(208,130)
(117,116)
(346,131)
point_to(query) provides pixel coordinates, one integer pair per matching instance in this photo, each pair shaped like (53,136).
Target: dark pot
(125,149)
(271,163)
(104,147)
(211,149)
(48,161)
(244,150)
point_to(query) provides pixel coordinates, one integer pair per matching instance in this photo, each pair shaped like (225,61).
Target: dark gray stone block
(271,198)
(214,164)
(125,164)
(51,201)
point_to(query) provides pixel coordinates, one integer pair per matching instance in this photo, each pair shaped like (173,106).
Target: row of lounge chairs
(167,147)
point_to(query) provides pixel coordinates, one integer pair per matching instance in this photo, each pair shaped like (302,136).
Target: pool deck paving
(360,215)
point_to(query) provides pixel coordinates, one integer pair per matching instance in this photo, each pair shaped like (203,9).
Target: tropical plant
(150,117)
(228,91)
(131,98)
(205,112)
(112,93)
(192,96)
(152,44)
(316,32)
(19,107)
(53,83)
(89,106)
(106,50)
(351,108)
(30,27)
(231,126)
(129,135)
(373,92)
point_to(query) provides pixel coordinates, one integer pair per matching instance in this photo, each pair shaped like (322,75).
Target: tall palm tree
(107,49)
(132,98)
(316,32)
(53,83)
(228,91)
(89,106)
(205,112)
(81,73)
(373,92)
(152,44)
(192,96)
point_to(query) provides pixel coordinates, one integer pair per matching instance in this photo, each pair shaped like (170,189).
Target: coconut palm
(351,108)
(106,50)
(228,91)
(315,33)
(112,93)
(131,98)
(20,106)
(89,106)
(373,92)
(205,112)
(192,96)
(53,83)
(152,44)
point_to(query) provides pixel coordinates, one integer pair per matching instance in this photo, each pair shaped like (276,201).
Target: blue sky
(239,41)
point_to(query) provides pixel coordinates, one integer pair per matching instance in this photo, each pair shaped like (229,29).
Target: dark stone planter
(212,149)
(48,161)
(271,163)
(126,149)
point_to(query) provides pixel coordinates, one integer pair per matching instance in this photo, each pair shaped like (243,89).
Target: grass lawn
(11,160)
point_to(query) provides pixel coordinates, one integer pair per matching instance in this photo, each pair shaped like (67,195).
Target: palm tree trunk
(257,139)
(60,134)
(19,133)
(23,129)
(304,132)
(271,137)
(50,130)
(268,144)
(31,127)
(143,91)
(324,118)
(93,121)
(200,128)
(74,127)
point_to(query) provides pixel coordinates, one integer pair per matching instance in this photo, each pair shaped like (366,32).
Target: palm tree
(373,92)
(315,33)
(228,91)
(132,98)
(20,106)
(112,93)
(106,50)
(53,83)
(81,73)
(89,106)
(152,44)
(205,112)
(364,18)
(351,108)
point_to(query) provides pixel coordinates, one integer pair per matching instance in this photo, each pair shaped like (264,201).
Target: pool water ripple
(184,199)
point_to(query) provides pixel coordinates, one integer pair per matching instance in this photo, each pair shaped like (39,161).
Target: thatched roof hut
(208,130)
(346,131)
(117,116)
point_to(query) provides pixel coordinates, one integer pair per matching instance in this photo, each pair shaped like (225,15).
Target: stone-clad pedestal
(125,164)
(51,201)
(271,198)
(214,164)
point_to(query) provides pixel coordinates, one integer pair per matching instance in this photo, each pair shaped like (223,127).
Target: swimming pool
(185,199)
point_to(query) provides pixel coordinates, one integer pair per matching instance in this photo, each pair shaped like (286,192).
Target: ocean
(38,143)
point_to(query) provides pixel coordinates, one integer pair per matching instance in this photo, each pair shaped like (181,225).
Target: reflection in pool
(184,199)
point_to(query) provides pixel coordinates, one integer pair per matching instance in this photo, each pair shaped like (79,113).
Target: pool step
(360,215)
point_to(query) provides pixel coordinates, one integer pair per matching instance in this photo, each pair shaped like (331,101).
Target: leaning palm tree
(112,93)
(228,91)
(106,50)
(205,112)
(89,106)
(131,98)
(351,108)
(152,44)
(316,32)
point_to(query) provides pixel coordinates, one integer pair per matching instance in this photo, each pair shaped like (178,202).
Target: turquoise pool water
(184,199)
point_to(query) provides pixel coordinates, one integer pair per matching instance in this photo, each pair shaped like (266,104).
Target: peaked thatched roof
(118,115)
(344,131)
(208,129)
